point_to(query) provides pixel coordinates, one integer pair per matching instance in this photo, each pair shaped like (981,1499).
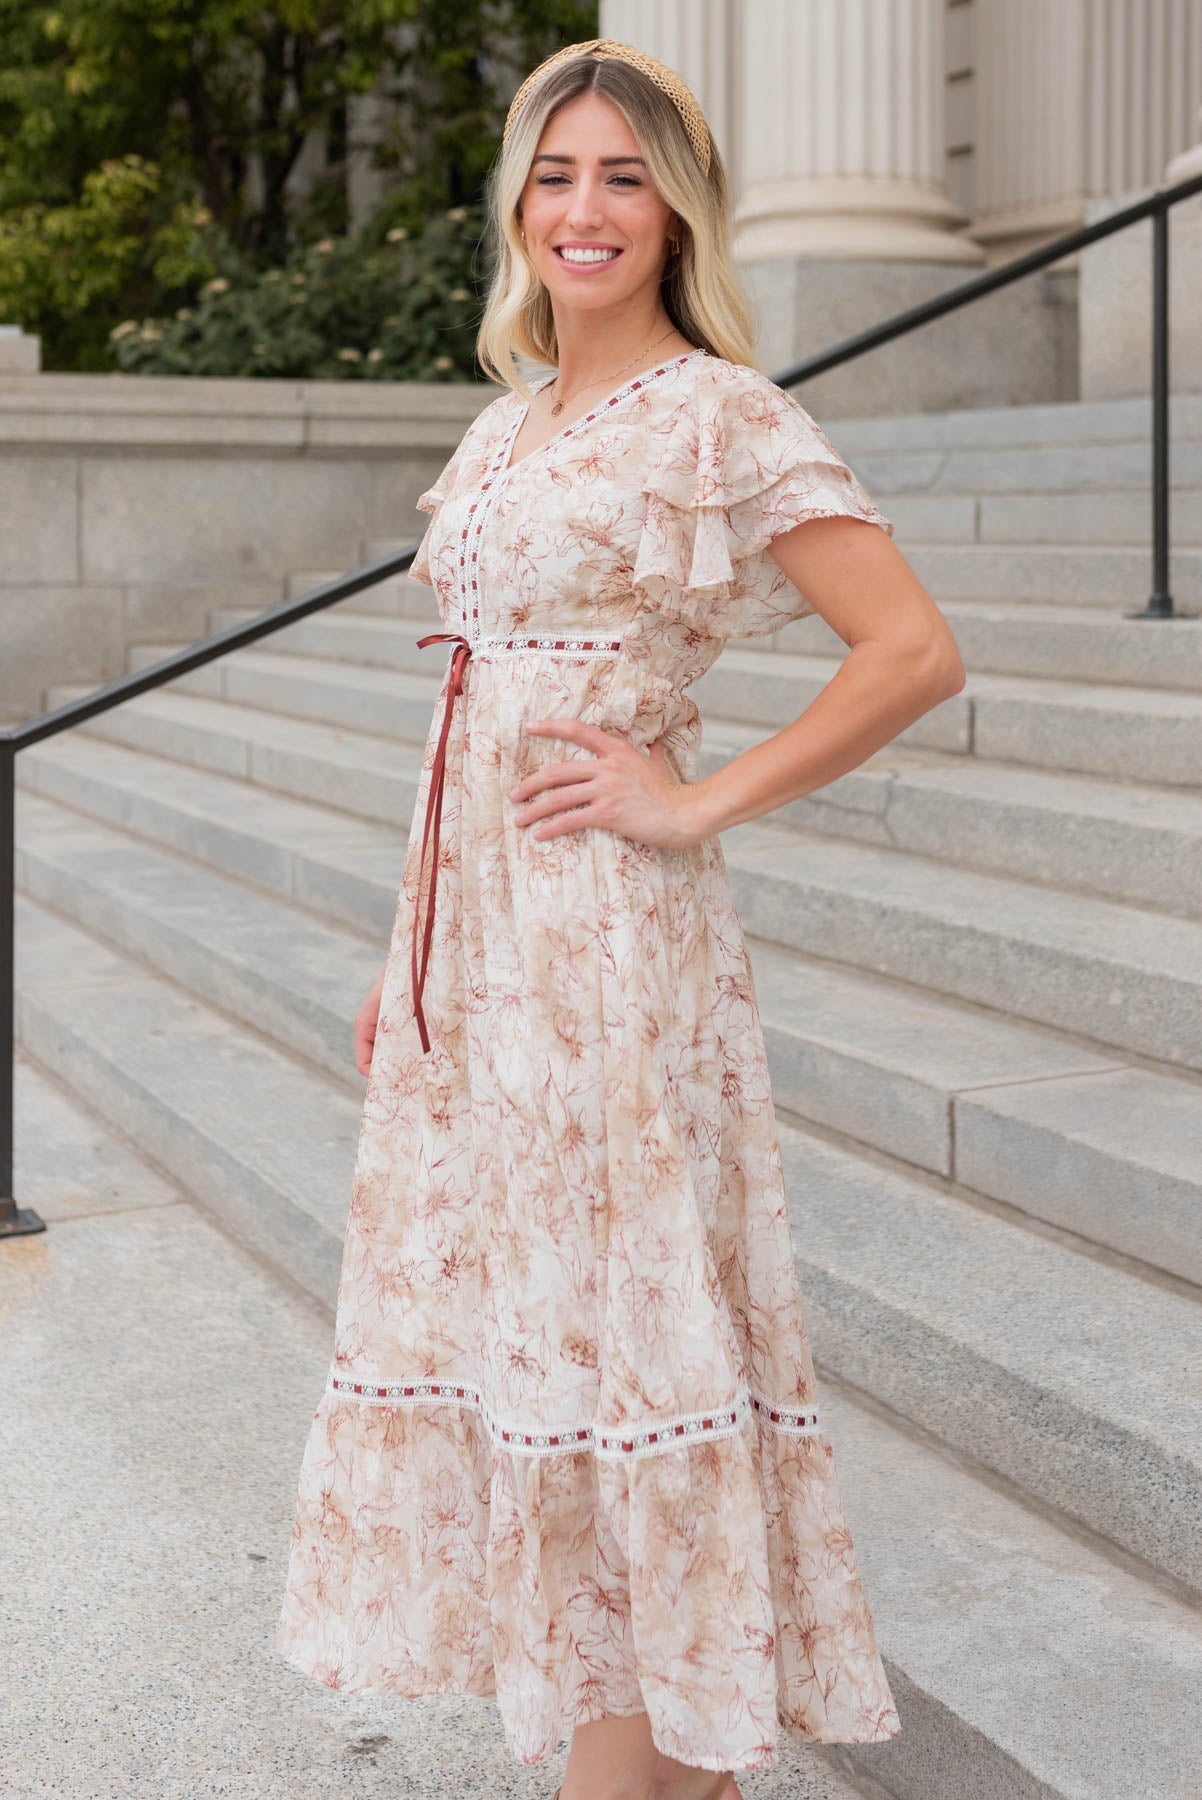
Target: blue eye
(547,180)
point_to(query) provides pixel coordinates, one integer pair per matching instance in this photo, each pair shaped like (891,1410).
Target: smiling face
(589,189)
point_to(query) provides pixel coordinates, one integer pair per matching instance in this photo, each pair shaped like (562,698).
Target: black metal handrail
(16,1221)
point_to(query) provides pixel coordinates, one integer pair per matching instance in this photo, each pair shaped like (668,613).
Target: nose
(586,210)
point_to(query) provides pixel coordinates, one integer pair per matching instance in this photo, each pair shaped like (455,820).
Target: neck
(593,348)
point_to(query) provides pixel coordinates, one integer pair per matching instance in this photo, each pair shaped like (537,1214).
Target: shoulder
(717,385)
(492,416)
(729,431)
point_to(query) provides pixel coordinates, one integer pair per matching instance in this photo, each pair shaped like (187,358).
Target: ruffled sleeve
(735,465)
(431,502)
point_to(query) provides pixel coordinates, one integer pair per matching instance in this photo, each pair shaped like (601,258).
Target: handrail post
(15,1221)
(1160,600)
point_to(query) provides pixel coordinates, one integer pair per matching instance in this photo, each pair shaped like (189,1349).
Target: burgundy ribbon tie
(459,660)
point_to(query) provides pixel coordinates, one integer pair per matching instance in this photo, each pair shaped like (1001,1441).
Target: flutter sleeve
(736,464)
(431,502)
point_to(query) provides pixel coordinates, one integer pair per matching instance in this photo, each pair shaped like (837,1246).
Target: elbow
(944,668)
(954,674)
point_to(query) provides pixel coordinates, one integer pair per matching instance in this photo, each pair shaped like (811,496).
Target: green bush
(64,268)
(387,305)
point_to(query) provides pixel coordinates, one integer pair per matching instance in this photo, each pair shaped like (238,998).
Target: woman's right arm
(365,1026)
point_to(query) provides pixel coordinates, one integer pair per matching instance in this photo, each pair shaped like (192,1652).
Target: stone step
(399,597)
(1079,424)
(352,771)
(1136,734)
(1140,734)
(1013,1112)
(1120,841)
(1006,1639)
(1124,976)
(1057,643)
(263,1140)
(1099,575)
(329,862)
(1023,468)
(294,978)
(1120,516)
(384,702)
(1117,840)
(1084,1142)
(1121,976)
(1072,1378)
(1146,735)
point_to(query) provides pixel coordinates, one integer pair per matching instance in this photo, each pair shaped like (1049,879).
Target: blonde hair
(701,291)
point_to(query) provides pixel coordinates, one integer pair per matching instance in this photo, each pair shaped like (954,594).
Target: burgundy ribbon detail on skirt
(459,659)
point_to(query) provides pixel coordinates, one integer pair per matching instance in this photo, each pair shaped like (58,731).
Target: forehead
(589,128)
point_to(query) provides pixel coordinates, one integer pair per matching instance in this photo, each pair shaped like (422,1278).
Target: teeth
(588,255)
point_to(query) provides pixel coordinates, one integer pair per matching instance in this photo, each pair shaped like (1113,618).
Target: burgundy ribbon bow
(459,659)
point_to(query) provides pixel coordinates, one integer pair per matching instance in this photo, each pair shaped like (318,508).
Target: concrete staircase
(979,964)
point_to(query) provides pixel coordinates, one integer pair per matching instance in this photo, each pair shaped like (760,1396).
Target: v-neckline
(628,387)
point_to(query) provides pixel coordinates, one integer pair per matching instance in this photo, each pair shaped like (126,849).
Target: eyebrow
(605,161)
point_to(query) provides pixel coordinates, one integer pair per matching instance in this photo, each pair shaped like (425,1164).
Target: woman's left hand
(619,788)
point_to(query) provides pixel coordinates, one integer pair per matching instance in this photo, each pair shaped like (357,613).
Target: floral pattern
(570,1450)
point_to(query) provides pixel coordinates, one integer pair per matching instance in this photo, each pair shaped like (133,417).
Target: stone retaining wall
(130,506)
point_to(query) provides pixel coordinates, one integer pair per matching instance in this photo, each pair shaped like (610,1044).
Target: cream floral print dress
(570,1452)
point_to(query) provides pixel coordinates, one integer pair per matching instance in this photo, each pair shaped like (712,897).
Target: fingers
(574,818)
(564,794)
(549,774)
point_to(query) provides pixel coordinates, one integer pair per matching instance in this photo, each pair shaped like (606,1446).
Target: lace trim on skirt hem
(617,1443)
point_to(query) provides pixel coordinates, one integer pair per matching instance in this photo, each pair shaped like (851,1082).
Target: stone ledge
(95,412)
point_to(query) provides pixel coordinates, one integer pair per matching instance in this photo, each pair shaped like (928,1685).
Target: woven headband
(664,78)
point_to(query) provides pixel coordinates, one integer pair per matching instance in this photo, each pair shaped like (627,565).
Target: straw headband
(664,78)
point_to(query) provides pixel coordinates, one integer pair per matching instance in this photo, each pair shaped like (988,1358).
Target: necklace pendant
(557,408)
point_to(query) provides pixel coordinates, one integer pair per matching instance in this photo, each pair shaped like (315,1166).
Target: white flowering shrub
(389,305)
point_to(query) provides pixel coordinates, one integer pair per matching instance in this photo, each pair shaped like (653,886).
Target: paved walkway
(158,1384)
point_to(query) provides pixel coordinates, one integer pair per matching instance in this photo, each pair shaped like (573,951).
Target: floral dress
(570,1451)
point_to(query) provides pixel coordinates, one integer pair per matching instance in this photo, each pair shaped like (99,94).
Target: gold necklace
(559,404)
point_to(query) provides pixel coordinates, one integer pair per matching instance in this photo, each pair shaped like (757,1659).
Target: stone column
(830,118)
(1188,164)
(697,38)
(843,215)
(1116,295)
(1076,104)
(1143,89)
(842,140)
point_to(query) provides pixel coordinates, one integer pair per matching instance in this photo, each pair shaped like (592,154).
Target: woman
(570,1451)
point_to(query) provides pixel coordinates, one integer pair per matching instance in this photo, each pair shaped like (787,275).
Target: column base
(1011,348)
(1116,312)
(851,217)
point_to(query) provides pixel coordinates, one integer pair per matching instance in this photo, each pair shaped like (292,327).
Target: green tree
(141,141)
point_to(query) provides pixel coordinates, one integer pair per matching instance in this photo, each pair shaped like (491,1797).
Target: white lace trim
(499,470)
(617,1443)
(557,643)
